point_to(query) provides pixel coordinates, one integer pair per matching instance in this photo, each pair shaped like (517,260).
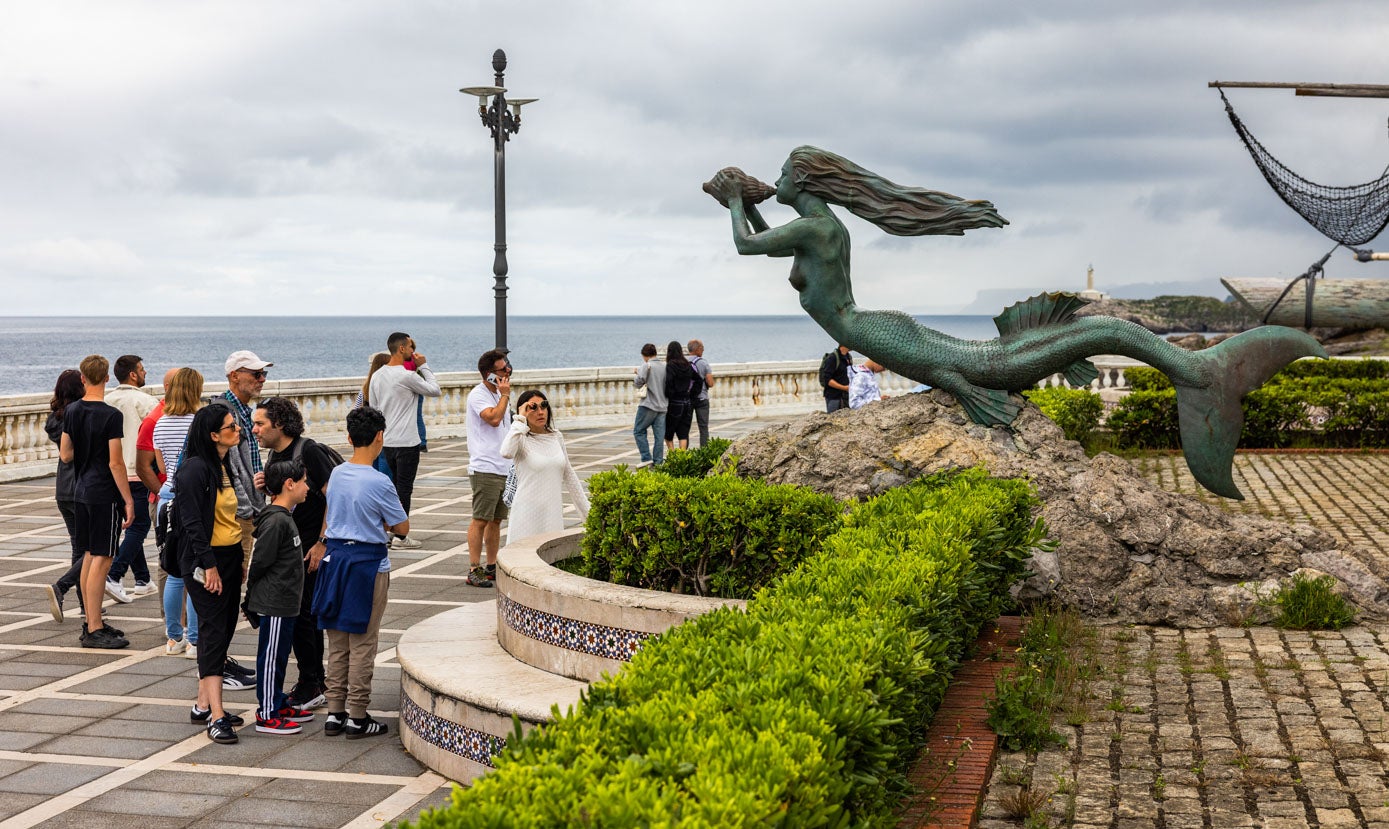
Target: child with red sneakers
(274,583)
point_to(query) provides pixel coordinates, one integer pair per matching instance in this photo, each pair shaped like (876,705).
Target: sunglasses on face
(233,425)
(259,375)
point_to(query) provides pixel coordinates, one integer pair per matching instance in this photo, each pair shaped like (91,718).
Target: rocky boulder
(1127,551)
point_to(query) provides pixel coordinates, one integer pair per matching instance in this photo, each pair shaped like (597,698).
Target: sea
(34,350)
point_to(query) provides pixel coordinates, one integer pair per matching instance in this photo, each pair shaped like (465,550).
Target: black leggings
(678,420)
(73,577)
(217,612)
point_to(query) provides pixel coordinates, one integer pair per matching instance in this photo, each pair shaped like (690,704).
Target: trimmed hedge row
(805,710)
(718,536)
(1076,411)
(694,463)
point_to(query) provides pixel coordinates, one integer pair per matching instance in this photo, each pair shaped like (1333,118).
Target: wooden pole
(1329,90)
(1367,92)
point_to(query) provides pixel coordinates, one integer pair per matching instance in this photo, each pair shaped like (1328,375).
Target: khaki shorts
(487,496)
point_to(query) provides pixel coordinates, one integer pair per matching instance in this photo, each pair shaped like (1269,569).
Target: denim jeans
(834,404)
(175,594)
(655,421)
(131,555)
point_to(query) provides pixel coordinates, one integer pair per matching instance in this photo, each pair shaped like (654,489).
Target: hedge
(1076,411)
(803,711)
(693,463)
(717,536)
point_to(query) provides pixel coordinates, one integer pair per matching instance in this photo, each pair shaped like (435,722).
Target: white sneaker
(143,588)
(174,647)
(117,592)
(405,542)
(191,652)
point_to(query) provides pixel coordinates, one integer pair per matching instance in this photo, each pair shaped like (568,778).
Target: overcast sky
(317,157)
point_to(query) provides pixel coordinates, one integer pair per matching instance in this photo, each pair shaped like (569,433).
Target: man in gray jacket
(651,411)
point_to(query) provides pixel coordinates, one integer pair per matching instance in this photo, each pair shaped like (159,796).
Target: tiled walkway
(102,738)
(1228,727)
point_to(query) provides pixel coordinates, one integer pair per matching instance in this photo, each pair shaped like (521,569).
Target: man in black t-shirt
(279,427)
(91,442)
(834,378)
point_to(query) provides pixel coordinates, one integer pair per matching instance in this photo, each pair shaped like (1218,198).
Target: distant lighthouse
(1090,293)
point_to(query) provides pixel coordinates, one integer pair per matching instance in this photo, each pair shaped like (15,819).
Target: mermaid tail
(1210,418)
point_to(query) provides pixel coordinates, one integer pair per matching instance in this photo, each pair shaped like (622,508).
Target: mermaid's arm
(760,225)
(775,241)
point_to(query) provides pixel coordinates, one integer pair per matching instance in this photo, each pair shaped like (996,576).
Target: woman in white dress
(542,468)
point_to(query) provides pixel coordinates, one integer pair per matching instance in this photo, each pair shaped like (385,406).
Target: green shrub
(1142,378)
(803,711)
(1076,411)
(1311,604)
(717,536)
(1146,420)
(694,463)
(1358,369)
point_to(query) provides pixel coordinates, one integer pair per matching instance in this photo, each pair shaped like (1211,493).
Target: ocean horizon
(36,349)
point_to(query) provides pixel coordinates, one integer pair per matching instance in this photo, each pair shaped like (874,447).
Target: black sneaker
(222,731)
(491,572)
(477,577)
(334,724)
(104,640)
(233,667)
(55,601)
(235,682)
(105,627)
(203,715)
(365,727)
(307,695)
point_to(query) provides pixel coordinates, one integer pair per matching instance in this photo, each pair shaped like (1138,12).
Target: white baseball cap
(245,359)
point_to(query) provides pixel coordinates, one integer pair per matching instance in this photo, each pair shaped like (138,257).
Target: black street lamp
(492,107)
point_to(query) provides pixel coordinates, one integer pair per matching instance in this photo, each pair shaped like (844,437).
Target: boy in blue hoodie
(274,584)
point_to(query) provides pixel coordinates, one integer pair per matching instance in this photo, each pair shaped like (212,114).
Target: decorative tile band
(470,743)
(584,637)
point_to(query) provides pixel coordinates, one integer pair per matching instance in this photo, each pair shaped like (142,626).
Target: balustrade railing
(579,397)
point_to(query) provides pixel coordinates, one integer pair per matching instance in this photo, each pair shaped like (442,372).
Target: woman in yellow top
(210,556)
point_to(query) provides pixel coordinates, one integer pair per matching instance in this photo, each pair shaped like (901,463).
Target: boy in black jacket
(274,585)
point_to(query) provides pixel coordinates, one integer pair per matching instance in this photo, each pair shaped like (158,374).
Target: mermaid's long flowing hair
(901,211)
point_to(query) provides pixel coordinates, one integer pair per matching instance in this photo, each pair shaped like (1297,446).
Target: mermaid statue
(1037,338)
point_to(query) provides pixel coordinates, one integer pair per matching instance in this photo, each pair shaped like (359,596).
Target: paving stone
(118,747)
(13,803)
(51,778)
(270,812)
(323,791)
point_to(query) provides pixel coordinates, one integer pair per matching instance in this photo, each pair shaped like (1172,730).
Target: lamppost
(492,106)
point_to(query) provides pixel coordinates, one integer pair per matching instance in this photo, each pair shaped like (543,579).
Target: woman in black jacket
(683,385)
(210,556)
(67,389)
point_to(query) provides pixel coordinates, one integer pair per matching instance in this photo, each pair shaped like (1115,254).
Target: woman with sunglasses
(542,468)
(210,555)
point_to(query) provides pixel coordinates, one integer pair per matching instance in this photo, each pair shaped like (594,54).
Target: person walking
(67,390)
(210,557)
(651,411)
(280,428)
(682,388)
(134,404)
(834,378)
(182,397)
(700,404)
(274,591)
(542,468)
(91,441)
(489,419)
(354,577)
(397,391)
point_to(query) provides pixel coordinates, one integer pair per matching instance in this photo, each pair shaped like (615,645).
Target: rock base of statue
(1127,551)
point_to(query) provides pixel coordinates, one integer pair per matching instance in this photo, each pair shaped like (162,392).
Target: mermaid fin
(1042,309)
(987,407)
(1081,373)
(1210,419)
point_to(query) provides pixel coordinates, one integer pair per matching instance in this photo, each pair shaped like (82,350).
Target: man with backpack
(834,378)
(279,426)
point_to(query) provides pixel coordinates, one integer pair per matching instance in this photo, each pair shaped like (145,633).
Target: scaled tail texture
(1211,418)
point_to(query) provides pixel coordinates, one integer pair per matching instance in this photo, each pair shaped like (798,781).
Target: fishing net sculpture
(1349,216)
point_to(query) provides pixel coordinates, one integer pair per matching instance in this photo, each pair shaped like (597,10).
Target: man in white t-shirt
(134,404)
(489,419)
(396,390)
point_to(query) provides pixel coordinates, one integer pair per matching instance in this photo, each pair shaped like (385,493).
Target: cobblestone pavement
(102,738)
(1228,727)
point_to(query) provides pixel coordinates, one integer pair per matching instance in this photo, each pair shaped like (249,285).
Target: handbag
(509,491)
(168,534)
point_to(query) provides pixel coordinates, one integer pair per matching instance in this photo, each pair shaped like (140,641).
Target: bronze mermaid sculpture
(1037,338)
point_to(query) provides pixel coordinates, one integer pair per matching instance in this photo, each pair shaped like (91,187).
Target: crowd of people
(255,521)
(676,397)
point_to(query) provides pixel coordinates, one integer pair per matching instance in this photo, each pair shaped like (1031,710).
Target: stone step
(459,690)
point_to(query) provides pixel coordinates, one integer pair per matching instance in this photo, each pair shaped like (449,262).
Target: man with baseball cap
(245,379)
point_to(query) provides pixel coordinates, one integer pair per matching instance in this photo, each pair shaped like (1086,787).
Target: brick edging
(951,773)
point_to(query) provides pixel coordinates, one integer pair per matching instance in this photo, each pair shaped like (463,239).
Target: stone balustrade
(579,397)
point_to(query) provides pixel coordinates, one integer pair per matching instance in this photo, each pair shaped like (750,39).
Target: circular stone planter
(466,672)
(573,626)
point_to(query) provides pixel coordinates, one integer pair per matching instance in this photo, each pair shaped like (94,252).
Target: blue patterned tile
(584,637)
(478,746)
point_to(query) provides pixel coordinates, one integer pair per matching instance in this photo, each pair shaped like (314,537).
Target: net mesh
(1348,215)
